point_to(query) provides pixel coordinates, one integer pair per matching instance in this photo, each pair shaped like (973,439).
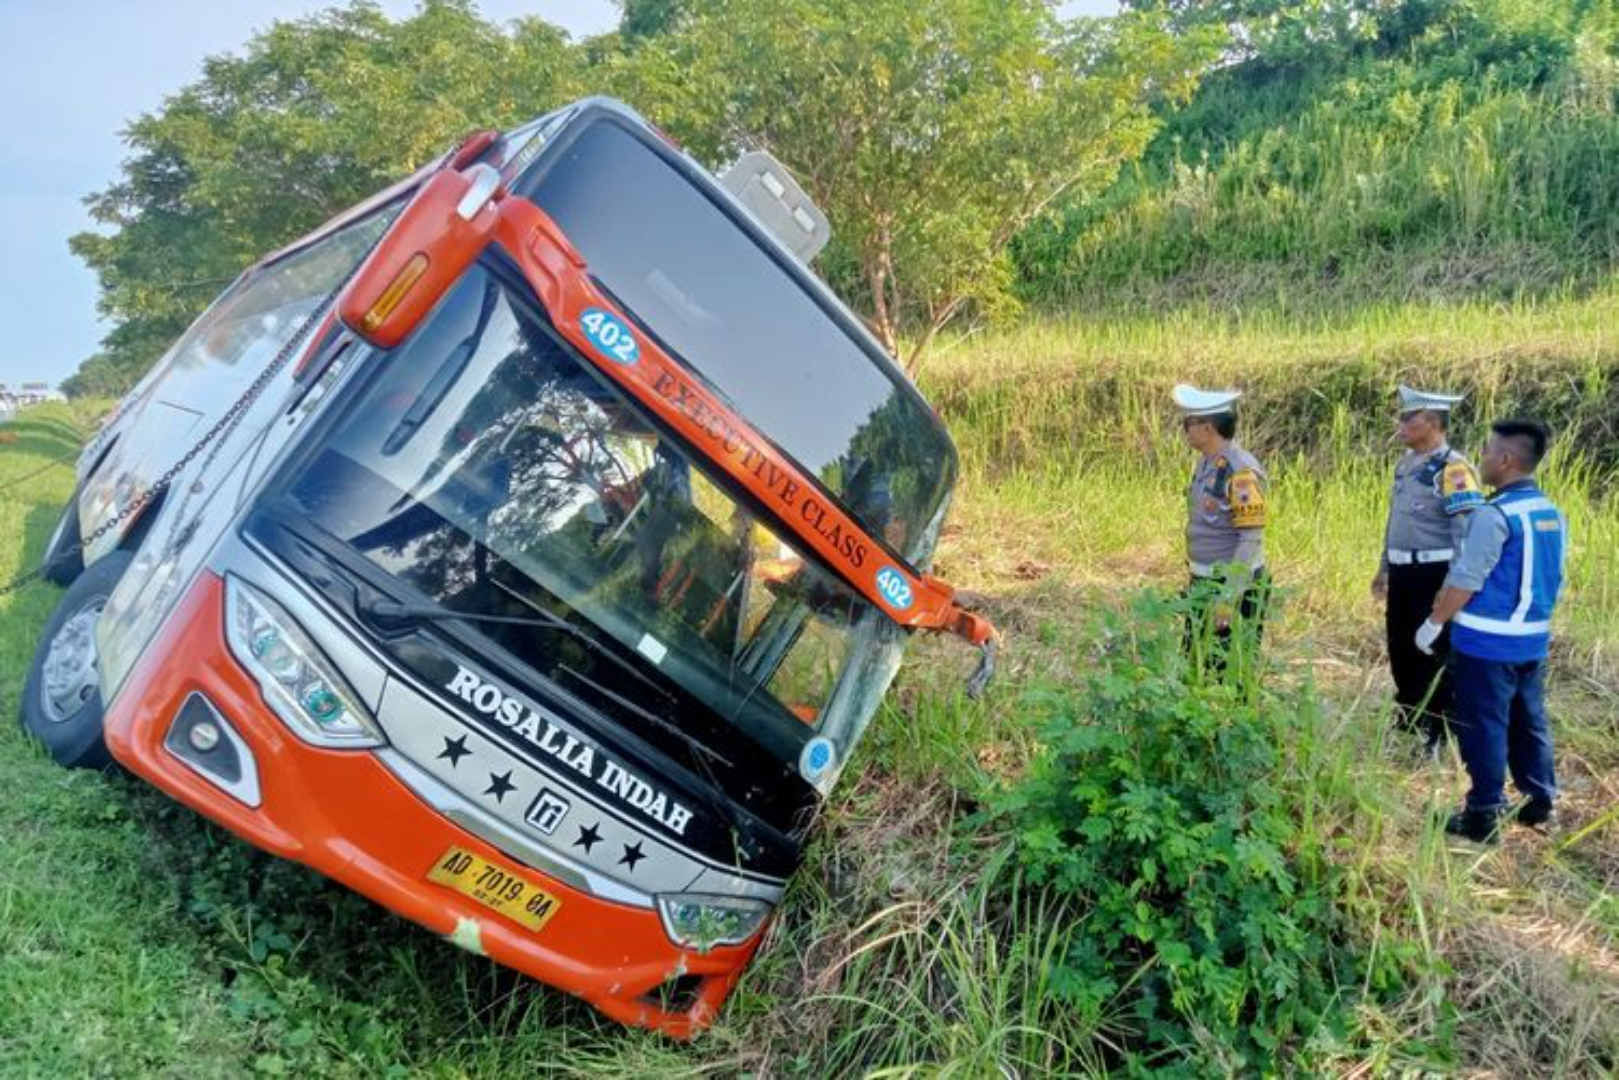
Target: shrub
(1165,810)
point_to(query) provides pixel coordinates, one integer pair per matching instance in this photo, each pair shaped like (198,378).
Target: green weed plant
(1164,810)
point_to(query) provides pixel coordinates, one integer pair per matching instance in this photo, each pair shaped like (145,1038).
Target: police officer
(1500,594)
(1434,490)
(1225,527)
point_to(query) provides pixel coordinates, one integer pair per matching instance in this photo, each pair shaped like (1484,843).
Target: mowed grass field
(137,940)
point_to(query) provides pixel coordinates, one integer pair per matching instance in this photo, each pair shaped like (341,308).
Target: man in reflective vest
(1499,596)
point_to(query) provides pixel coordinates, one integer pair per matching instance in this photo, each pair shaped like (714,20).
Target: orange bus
(526,549)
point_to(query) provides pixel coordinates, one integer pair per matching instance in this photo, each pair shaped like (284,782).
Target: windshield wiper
(448,374)
(392,609)
(652,718)
(428,401)
(712,792)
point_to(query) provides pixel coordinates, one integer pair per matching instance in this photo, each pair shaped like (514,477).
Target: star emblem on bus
(454,749)
(632,855)
(588,838)
(500,785)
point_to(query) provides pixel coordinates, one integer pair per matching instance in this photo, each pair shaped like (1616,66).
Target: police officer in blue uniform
(1435,489)
(1499,596)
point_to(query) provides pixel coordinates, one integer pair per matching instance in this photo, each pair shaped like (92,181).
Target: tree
(645,18)
(313,116)
(931,131)
(1291,34)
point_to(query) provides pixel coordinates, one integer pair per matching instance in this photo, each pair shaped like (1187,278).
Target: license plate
(496,887)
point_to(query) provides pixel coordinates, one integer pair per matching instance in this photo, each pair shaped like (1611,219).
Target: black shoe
(1537,813)
(1479,826)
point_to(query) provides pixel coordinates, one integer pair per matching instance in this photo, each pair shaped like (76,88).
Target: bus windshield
(487,466)
(732,313)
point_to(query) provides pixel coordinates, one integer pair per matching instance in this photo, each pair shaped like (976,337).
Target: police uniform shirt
(1433,492)
(1226,511)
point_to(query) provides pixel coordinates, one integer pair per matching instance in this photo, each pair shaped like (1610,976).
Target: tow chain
(226,422)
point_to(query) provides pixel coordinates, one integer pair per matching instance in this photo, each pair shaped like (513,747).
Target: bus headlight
(701,922)
(297,681)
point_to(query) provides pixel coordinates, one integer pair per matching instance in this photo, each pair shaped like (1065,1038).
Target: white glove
(1427,634)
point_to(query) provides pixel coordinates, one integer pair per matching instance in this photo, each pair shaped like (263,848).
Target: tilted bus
(526,549)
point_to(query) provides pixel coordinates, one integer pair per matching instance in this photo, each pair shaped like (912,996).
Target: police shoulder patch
(1247,500)
(1459,487)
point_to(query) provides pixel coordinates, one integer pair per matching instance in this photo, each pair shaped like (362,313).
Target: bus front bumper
(343,813)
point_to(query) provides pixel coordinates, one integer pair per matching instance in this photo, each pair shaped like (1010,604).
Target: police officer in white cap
(1225,529)
(1435,489)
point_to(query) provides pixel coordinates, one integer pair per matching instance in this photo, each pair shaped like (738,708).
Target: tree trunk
(881,321)
(939,317)
(879,269)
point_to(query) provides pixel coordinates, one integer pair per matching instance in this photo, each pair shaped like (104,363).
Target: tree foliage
(311,117)
(646,18)
(1297,36)
(1281,32)
(930,132)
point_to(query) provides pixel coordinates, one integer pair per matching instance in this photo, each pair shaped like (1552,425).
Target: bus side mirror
(448,223)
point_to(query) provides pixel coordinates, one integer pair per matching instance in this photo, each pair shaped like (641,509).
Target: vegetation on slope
(1435,149)
(1344,151)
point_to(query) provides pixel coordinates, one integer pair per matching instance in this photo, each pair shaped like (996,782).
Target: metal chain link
(226,421)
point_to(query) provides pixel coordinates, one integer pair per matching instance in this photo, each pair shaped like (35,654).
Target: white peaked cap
(1195,402)
(1412,400)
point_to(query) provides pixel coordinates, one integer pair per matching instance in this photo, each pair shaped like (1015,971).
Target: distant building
(26,394)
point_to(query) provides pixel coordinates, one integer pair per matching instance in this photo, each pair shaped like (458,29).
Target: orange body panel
(343,813)
(430,236)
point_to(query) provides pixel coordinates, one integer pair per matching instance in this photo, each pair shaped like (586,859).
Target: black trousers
(1204,639)
(1422,689)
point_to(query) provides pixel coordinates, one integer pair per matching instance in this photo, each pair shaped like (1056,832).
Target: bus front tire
(61,701)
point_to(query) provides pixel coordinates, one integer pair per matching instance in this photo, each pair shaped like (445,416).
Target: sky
(73,73)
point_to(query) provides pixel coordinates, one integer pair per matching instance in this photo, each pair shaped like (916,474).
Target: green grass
(1073,486)
(1069,443)
(136,939)
(1473,159)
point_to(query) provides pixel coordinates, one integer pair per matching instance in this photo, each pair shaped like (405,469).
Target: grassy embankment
(135,939)
(1466,151)
(1073,495)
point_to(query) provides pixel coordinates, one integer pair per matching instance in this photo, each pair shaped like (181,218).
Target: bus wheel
(61,701)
